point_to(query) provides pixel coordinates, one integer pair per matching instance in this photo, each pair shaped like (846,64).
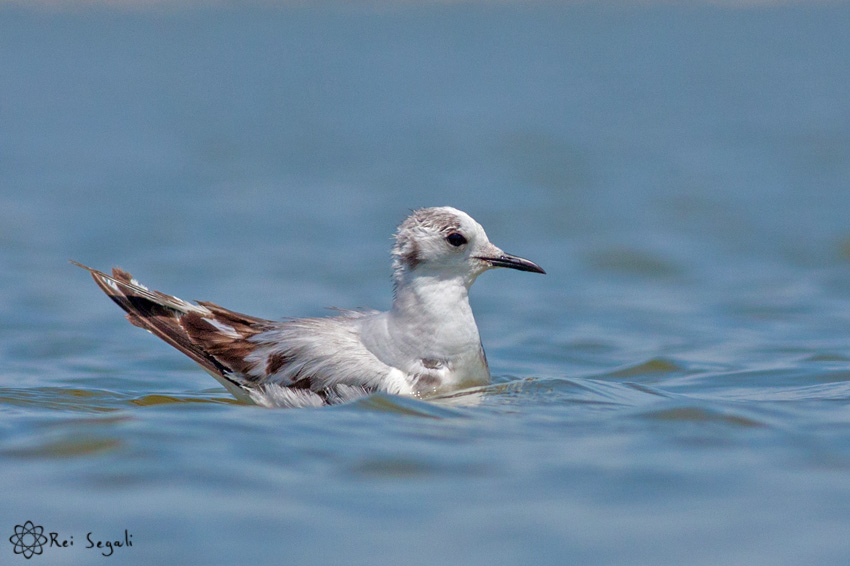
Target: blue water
(675,390)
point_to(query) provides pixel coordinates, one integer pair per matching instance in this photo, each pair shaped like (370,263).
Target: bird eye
(456,239)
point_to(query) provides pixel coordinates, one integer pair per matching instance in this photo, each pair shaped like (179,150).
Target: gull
(426,345)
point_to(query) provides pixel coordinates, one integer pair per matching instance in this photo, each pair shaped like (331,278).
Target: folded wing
(300,362)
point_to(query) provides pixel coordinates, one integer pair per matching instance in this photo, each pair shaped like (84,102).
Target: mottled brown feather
(189,332)
(157,319)
(275,362)
(230,351)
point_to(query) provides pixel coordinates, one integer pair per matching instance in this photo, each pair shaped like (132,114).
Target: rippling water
(675,390)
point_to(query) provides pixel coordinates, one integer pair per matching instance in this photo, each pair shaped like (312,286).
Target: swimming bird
(427,344)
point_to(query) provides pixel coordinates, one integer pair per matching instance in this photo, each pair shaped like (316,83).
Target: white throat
(432,310)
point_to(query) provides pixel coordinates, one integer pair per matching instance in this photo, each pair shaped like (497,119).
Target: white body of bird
(426,344)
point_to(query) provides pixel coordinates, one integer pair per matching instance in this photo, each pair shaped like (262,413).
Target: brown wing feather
(229,348)
(187,327)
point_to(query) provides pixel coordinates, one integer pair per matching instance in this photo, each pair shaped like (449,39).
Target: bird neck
(431,319)
(432,298)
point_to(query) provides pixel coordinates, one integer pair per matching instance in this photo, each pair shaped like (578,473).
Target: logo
(28,539)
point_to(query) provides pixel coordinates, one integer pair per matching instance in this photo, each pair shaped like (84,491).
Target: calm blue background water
(675,390)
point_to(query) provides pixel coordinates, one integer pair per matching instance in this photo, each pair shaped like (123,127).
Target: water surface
(675,390)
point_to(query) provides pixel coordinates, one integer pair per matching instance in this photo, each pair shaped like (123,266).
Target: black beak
(513,262)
